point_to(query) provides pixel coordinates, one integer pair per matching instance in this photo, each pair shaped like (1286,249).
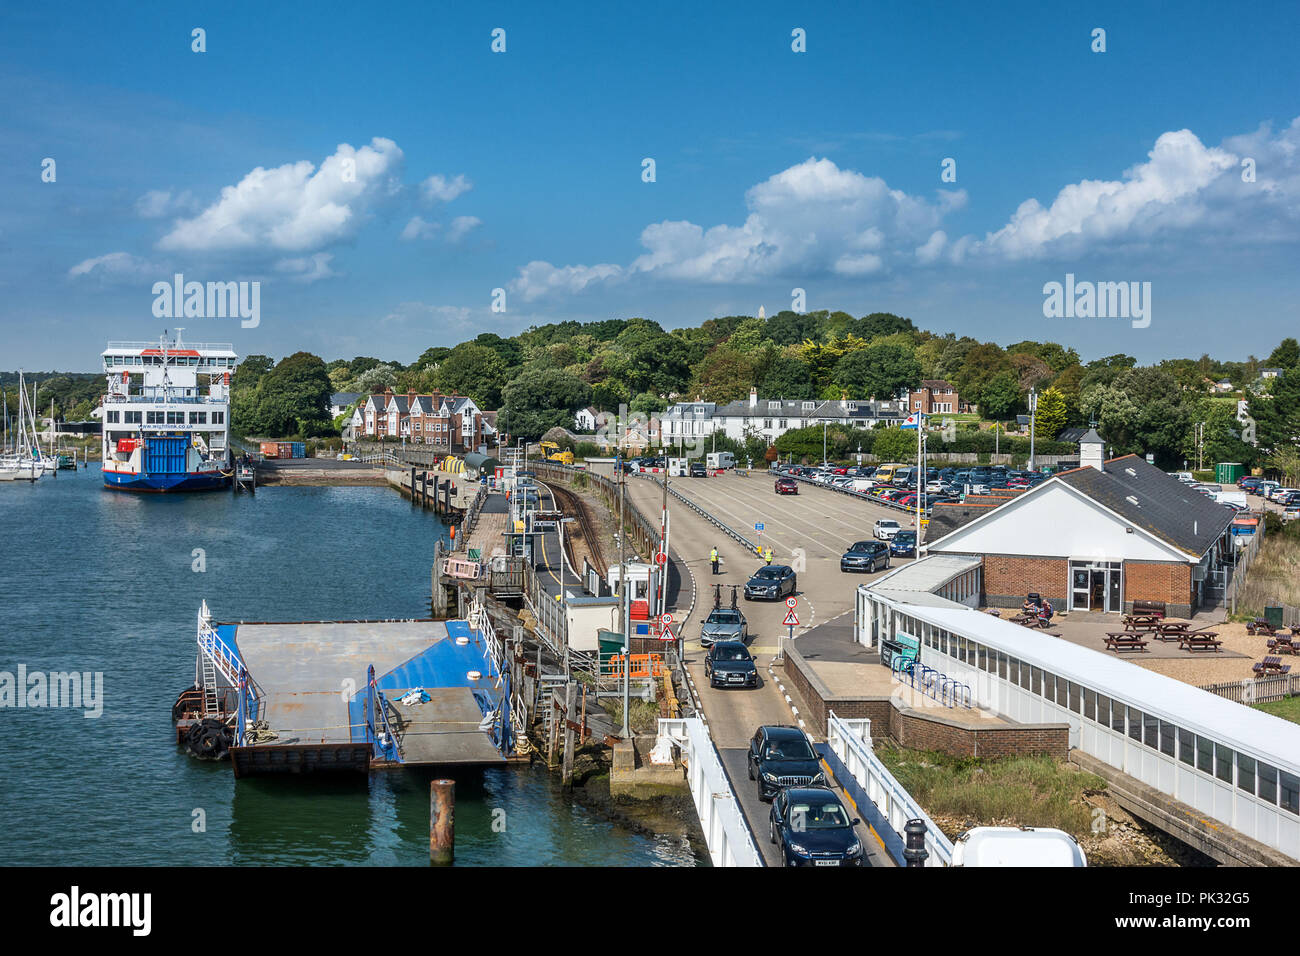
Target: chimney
(753,398)
(1092,450)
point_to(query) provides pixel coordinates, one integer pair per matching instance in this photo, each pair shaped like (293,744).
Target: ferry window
(218,418)
(198,418)
(1089,703)
(113,417)
(1117,716)
(1204,754)
(1167,738)
(1187,746)
(132,418)
(1245,773)
(1150,731)
(1290,793)
(1268,783)
(1135,724)
(175,418)
(1074,697)
(1223,763)
(154,418)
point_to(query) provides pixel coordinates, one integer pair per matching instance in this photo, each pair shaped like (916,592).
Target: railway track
(585,542)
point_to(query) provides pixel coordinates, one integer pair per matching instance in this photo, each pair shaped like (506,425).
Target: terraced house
(452,422)
(770,418)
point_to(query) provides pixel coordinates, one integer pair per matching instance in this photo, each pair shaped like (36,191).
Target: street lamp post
(1033,414)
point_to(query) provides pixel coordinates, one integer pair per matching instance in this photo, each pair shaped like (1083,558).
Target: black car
(771,583)
(781,756)
(812,828)
(865,556)
(728,664)
(698,470)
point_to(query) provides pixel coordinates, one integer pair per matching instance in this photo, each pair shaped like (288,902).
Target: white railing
(725,832)
(215,649)
(895,804)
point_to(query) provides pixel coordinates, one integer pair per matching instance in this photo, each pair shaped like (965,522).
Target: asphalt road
(824,593)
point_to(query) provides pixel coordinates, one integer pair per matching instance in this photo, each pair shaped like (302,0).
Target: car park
(787,486)
(811,827)
(724,624)
(781,756)
(729,664)
(865,556)
(771,583)
(903,544)
(886,528)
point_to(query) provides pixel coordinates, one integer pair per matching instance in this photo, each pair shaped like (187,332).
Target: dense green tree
(787,378)
(725,375)
(474,370)
(1277,415)
(1052,413)
(293,398)
(894,444)
(1000,396)
(877,371)
(539,399)
(1286,355)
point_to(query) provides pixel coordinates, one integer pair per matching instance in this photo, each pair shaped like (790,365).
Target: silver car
(724,624)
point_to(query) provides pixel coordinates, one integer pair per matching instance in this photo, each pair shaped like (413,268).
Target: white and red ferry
(167,415)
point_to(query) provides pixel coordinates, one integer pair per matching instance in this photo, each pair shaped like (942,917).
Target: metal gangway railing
(379,732)
(726,833)
(891,806)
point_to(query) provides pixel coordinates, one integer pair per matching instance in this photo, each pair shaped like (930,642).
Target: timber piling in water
(442,822)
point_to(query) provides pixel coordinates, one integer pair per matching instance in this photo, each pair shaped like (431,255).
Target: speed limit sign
(790,602)
(667,619)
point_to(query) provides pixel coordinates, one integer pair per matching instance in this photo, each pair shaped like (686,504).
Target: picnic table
(1260,626)
(1282,644)
(1200,641)
(1124,641)
(1141,622)
(1170,630)
(1270,666)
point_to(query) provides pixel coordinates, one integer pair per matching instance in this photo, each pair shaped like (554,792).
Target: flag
(913,421)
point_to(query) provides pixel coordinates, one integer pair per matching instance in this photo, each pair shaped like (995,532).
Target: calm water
(92,580)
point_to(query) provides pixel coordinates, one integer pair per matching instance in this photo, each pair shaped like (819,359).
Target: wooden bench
(1124,640)
(1149,609)
(1271,666)
(1200,642)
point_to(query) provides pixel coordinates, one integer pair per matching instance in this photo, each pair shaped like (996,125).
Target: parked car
(886,528)
(903,544)
(787,486)
(1291,512)
(781,756)
(812,828)
(771,583)
(724,624)
(865,556)
(728,664)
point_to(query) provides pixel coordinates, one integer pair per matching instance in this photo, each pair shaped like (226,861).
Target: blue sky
(522,170)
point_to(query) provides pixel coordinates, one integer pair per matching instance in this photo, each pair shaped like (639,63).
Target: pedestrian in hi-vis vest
(767,556)
(713,560)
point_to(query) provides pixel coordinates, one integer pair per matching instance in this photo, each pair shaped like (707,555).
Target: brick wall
(1154,581)
(919,730)
(1008,578)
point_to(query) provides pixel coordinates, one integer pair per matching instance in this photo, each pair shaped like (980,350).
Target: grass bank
(1274,575)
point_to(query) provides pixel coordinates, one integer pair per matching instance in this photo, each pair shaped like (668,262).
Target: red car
(787,486)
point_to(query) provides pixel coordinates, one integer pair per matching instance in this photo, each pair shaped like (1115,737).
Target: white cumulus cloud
(115,266)
(441,189)
(295,207)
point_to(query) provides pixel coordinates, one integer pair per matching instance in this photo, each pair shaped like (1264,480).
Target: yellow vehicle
(551,452)
(885,473)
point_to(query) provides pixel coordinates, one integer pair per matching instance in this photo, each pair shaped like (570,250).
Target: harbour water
(110,582)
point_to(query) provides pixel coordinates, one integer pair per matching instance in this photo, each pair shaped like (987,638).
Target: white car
(886,528)
(933,486)
(1281,494)
(1291,512)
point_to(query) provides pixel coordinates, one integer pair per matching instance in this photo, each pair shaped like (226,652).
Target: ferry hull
(200,481)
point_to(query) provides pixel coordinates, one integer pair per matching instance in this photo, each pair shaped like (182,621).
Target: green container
(609,644)
(1227,472)
(1273,614)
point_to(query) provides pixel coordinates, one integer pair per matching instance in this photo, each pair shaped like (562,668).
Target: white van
(863,484)
(721,459)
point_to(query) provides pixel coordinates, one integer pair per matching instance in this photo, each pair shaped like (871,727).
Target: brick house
(451,422)
(1098,537)
(936,397)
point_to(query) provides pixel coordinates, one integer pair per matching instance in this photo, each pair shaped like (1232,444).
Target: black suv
(781,756)
(771,583)
(728,664)
(697,470)
(865,556)
(813,828)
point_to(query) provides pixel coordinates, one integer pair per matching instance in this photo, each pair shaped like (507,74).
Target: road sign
(790,619)
(758,526)
(791,601)
(661,558)
(667,619)
(667,634)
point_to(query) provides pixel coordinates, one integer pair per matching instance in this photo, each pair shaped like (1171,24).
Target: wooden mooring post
(442,822)
(566,771)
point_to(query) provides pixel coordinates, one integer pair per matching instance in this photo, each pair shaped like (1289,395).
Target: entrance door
(1097,590)
(1079,590)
